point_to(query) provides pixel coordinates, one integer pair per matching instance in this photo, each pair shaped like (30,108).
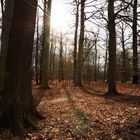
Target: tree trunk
(123,79)
(112,49)
(106,58)
(95,63)
(46,45)
(37,49)
(135,51)
(61,65)
(16,105)
(105,66)
(81,44)
(6,25)
(75,43)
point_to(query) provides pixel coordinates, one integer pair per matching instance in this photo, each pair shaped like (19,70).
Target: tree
(80,48)
(46,45)
(37,49)
(61,61)
(135,51)
(75,42)
(16,105)
(112,49)
(6,24)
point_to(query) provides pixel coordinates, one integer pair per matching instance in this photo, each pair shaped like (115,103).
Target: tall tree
(6,25)
(81,45)
(37,49)
(95,60)
(61,61)
(135,51)
(16,105)
(46,45)
(106,55)
(75,41)
(112,49)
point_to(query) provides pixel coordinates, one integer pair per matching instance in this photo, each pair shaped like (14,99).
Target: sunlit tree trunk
(112,49)
(16,105)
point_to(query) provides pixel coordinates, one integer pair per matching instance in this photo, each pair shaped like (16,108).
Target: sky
(61,18)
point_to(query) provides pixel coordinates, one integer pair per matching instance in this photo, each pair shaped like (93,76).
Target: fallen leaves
(86,114)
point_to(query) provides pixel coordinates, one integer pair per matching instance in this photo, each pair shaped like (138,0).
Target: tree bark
(61,61)
(6,26)
(46,45)
(112,49)
(75,44)
(135,51)
(80,48)
(16,105)
(37,49)
(95,63)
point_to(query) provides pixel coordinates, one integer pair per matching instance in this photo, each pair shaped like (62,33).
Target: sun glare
(60,17)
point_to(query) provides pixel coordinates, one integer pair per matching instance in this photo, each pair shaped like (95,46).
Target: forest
(69,70)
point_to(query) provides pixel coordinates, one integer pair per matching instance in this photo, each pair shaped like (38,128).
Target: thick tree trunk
(135,51)
(81,45)
(6,25)
(112,49)
(75,43)
(46,45)
(16,105)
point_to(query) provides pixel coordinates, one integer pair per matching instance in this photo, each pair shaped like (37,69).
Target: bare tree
(75,41)
(46,45)
(112,49)
(80,48)
(135,51)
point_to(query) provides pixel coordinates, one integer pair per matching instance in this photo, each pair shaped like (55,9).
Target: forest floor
(85,113)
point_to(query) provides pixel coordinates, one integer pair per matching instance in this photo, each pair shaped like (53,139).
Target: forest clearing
(85,113)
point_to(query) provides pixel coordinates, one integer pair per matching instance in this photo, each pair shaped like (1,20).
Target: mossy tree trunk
(16,105)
